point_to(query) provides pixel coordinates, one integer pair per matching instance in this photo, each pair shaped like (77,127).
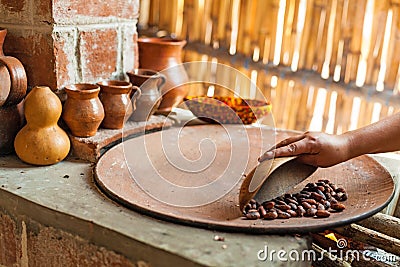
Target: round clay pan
(5,84)
(130,172)
(18,79)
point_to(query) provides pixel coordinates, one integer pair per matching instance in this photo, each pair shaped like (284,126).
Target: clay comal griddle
(135,171)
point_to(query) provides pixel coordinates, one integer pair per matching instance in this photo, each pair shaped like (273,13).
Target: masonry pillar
(61,42)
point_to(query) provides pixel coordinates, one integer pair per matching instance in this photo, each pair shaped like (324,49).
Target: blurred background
(325,65)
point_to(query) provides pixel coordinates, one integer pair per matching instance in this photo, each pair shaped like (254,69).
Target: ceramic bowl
(230,110)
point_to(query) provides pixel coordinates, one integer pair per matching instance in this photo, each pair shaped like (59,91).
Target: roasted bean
(338,206)
(247,207)
(327,204)
(280,202)
(283,215)
(306,193)
(341,196)
(291,200)
(311,212)
(306,205)
(300,211)
(253,215)
(252,201)
(322,213)
(293,206)
(310,201)
(320,206)
(269,204)
(282,207)
(262,211)
(292,213)
(316,196)
(321,188)
(340,189)
(271,215)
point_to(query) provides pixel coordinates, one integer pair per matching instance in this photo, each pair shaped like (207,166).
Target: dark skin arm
(324,150)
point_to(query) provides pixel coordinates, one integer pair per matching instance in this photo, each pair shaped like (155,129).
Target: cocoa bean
(271,215)
(322,213)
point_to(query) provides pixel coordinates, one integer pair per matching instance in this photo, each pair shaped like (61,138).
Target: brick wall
(61,42)
(29,243)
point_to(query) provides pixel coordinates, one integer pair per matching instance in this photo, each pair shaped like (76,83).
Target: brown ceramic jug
(13,81)
(165,54)
(150,83)
(3,33)
(83,111)
(10,123)
(115,97)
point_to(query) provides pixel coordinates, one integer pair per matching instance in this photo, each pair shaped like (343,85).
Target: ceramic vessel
(150,83)
(115,97)
(3,33)
(165,54)
(83,111)
(41,141)
(13,79)
(10,123)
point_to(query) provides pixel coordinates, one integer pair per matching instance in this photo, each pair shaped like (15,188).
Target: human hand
(312,148)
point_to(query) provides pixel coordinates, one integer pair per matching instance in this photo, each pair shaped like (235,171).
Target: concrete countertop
(64,196)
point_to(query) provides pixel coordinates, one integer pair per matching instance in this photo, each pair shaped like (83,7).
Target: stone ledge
(91,148)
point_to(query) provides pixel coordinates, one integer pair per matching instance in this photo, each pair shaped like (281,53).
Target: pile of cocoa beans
(316,200)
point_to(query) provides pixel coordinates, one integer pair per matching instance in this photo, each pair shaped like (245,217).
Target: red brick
(130,49)
(43,11)
(35,50)
(64,55)
(74,9)
(8,241)
(98,53)
(15,11)
(51,247)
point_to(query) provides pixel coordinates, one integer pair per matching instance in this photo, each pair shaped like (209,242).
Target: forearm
(379,137)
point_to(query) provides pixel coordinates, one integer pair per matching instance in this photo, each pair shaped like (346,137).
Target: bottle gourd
(41,141)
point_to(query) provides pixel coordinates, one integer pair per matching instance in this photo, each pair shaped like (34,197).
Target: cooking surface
(192,175)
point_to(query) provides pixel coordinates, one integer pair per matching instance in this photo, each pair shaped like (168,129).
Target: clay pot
(165,54)
(150,83)
(3,33)
(12,76)
(115,97)
(10,123)
(83,111)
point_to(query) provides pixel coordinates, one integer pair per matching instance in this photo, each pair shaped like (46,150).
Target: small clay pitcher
(83,111)
(165,54)
(115,97)
(150,83)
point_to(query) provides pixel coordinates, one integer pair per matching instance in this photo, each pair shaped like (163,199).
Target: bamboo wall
(330,65)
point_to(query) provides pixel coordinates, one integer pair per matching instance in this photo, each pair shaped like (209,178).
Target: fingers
(300,147)
(290,140)
(271,153)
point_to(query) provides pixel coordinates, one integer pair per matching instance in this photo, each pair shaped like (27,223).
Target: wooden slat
(388,243)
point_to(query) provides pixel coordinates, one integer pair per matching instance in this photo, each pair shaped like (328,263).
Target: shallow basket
(225,109)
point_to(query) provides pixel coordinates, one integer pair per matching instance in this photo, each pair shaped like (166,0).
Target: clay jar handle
(162,81)
(19,83)
(137,94)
